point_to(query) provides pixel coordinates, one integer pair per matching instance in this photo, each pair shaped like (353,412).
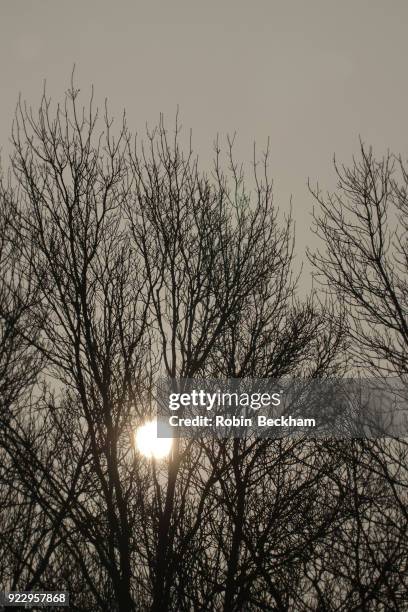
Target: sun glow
(149,445)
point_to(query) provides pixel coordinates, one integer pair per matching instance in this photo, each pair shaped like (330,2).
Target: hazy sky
(312,75)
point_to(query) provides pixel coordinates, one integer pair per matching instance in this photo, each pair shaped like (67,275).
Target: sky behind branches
(312,76)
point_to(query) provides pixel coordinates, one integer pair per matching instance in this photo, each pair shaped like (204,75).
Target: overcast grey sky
(312,75)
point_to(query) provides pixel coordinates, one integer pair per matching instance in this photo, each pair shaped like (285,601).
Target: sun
(149,445)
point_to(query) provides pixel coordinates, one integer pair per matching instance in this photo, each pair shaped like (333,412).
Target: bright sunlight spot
(149,445)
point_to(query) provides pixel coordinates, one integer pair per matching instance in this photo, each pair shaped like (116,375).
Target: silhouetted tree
(364,258)
(363,263)
(126,262)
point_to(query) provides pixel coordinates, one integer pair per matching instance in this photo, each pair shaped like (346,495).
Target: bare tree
(219,267)
(364,259)
(130,263)
(72,246)
(19,369)
(363,263)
